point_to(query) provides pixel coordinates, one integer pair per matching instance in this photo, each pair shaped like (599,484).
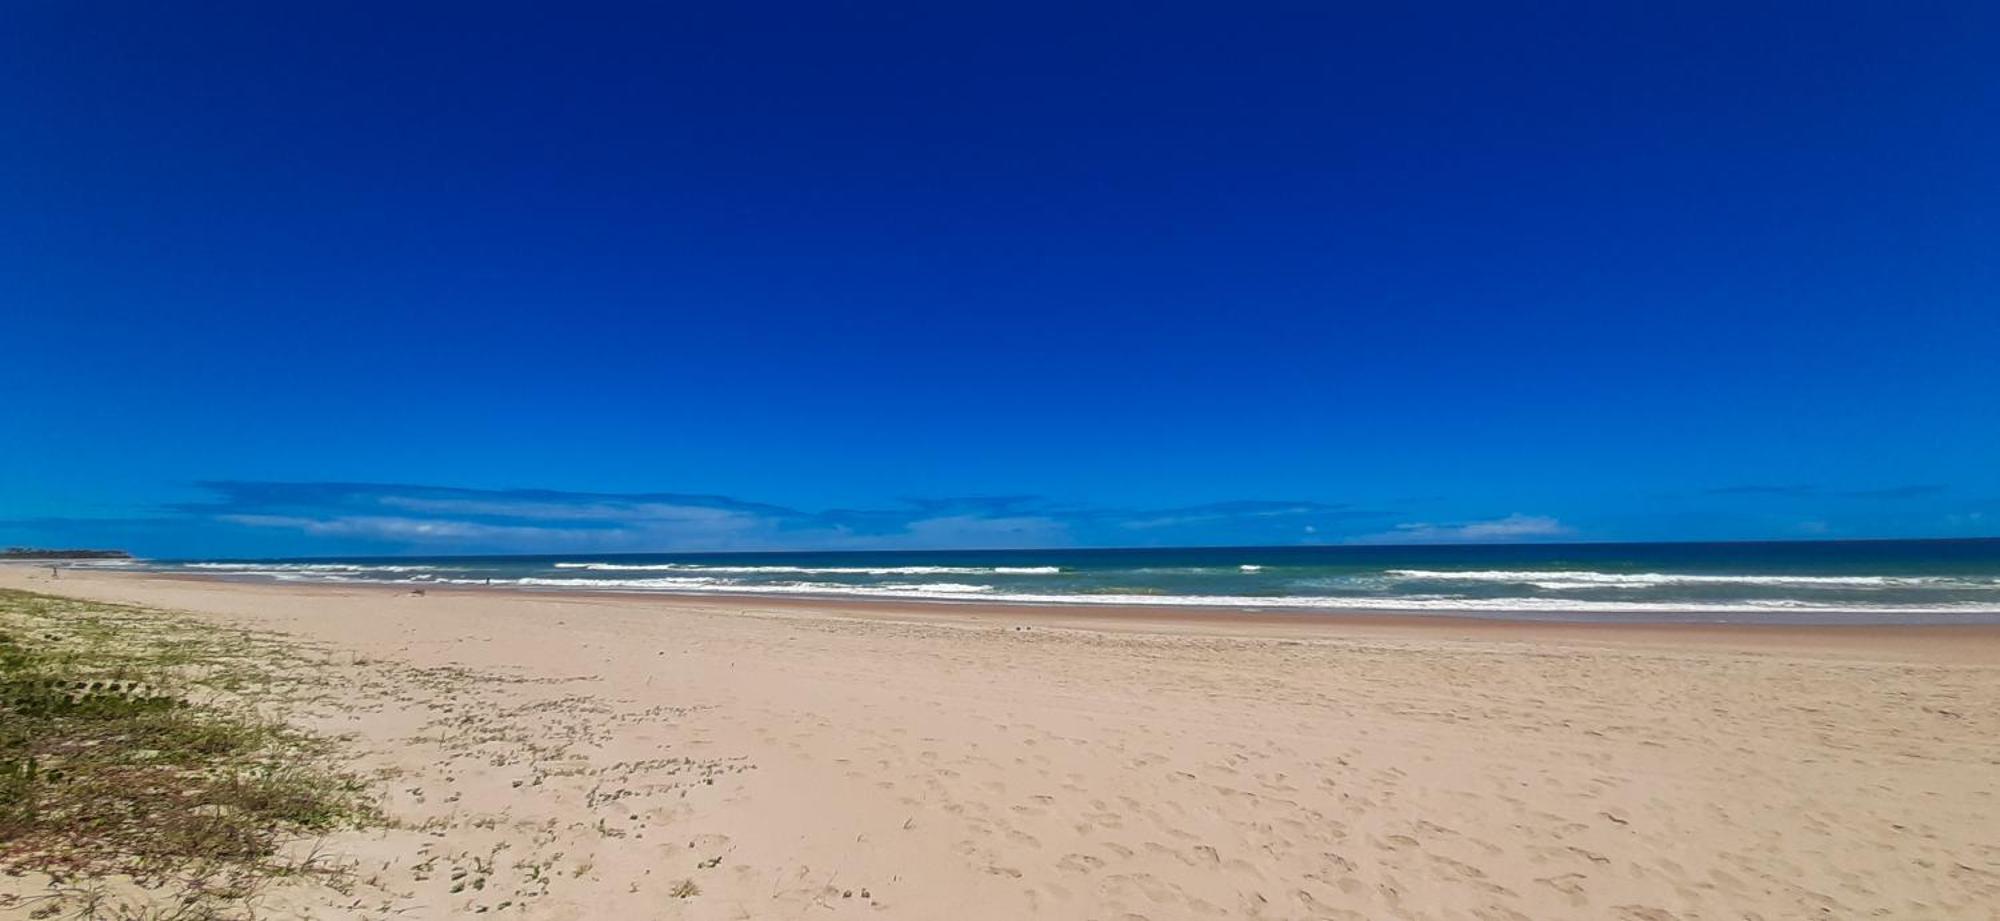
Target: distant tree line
(39,553)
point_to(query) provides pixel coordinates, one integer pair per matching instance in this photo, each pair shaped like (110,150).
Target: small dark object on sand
(417,591)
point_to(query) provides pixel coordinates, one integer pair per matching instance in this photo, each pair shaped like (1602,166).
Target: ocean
(1774,582)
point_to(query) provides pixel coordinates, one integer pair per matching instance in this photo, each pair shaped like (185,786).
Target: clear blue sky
(361,277)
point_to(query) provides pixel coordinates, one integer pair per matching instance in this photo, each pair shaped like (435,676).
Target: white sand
(581,757)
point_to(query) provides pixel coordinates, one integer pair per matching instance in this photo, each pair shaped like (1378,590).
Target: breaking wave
(818,570)
(1414,603)
(1890,590)
(1567,579)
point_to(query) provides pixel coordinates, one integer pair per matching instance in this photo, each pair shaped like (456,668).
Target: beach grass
(142,748)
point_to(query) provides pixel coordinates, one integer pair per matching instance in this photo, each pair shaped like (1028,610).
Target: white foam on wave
(1572,579)
(1250,567)
(658,582)
(284,575)
(720,580)
(1438,604)
(818,570)
(707,584)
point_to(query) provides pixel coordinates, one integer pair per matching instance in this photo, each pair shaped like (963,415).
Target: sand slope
(589,757)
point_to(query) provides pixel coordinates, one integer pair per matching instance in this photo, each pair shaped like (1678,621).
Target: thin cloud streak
(351,517)
(1810,491)
(1514,527)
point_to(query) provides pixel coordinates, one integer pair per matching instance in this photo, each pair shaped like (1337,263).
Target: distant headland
(40,553)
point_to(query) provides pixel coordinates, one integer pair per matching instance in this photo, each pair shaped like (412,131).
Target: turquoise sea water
(1848,581)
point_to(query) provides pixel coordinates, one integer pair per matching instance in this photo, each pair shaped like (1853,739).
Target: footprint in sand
(1079,863)
(1643,913)
(1570,885)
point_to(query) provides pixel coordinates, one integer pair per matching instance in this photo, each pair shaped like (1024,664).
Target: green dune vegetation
(139,752)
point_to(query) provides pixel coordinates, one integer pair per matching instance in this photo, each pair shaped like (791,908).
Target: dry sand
(600,757)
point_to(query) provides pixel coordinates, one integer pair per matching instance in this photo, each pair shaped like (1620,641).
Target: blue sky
(367,278)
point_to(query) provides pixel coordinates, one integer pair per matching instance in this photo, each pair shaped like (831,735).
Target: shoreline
(1810,583)
(1748,610)
(1976,641)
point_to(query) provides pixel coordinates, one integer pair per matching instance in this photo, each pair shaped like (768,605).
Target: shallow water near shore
(1787,582)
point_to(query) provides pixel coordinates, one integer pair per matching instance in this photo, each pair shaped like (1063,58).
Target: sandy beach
(573,756)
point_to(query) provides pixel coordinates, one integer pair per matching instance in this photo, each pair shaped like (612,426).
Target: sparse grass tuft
(132,746)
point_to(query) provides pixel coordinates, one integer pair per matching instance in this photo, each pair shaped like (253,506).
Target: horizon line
(1123,549)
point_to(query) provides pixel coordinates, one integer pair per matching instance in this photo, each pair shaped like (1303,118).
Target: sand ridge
(583,757)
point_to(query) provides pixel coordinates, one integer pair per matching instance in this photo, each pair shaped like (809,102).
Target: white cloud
(1219,513)
(383,527)
(379,517)
(969,531)
(723,532)
(564,509)
(1512,527)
